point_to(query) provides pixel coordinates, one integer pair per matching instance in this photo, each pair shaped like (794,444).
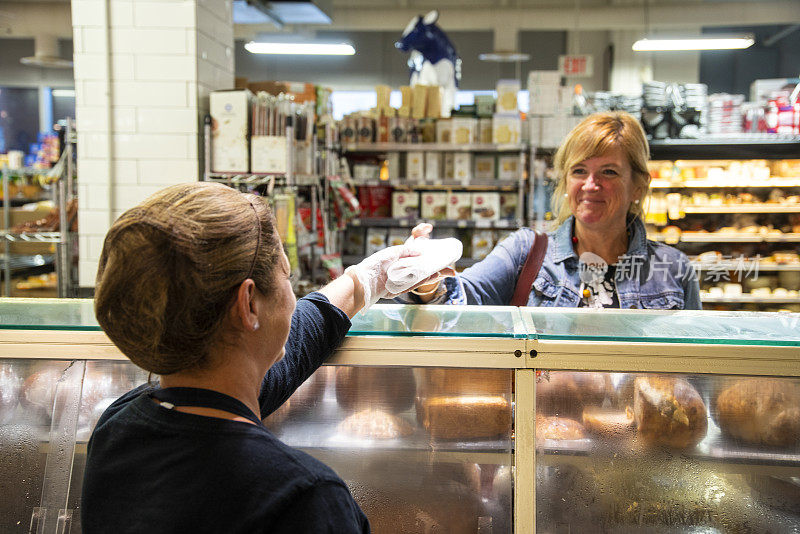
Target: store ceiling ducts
(45,54)
(281,12)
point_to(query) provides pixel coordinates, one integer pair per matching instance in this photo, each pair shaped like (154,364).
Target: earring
(636,201)
(566,195)
(255,326)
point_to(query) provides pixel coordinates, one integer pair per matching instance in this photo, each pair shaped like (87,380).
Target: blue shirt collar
(562,240)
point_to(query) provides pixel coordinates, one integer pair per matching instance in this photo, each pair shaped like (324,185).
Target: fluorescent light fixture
(301,49)
(709,43)
(63,93)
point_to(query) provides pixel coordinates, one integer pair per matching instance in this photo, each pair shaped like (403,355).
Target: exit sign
(576,66)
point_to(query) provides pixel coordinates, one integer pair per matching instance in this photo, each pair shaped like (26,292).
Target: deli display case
(469,419)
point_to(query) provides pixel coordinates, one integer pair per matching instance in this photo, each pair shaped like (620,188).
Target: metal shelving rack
(63,239)
(519,185)
(290,179)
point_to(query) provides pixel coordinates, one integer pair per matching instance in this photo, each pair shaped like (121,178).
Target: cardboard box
(433,102)
(462,167)
(375,201)
(484,106)
(230,126)
(376,240)
(393,165)
(508,205)
(506,130)
(268,153)
(465,130)
(434,205)
(449,170)
(508,167)
(485,167)
(485,130)
(444,131)
(419,99)
(485,206)
(459,206)
(415,166)
(405,204)
(433,167)
(507,91)
(482,243)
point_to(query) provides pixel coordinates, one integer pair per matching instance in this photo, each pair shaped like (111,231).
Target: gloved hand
(371,273)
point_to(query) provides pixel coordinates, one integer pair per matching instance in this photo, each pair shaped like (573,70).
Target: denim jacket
(651,275)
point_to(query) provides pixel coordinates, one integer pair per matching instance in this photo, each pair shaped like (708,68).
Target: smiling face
(600,190)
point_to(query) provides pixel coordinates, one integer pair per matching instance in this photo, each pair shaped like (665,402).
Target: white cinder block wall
(143,72)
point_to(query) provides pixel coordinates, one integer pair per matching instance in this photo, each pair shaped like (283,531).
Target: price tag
(461,224)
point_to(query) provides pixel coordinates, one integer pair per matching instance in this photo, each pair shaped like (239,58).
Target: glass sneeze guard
(47,314)
(651,326)
(440,321)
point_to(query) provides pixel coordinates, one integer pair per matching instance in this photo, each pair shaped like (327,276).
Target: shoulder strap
(533,263)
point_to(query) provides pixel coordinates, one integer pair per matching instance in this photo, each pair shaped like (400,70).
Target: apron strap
(204,398)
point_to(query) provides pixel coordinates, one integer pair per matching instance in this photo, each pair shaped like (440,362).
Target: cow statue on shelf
(433,59)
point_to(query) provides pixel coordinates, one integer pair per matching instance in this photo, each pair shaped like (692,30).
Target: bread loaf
(375,424)
(761,411)
(435,381)
(464,417)
(668,411)
(558,428)
(607,423)
(567,393)
(384,388)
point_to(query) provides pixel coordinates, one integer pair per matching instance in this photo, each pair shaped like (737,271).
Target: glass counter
(469,419)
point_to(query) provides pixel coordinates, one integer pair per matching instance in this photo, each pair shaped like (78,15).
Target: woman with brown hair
(193,285)
(599,255)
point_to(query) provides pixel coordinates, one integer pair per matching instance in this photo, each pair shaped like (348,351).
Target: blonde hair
(596,135)
(170,268)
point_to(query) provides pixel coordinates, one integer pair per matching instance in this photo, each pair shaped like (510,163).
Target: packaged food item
(366,130)
(375,201)
(508,205)
(397,236)
(462,167)
(485,206)
(354,241)
(405,204)
(465,130)
(419,95)
(482,243)
(333,264)
(230,115)
(508,167)
(485,130)
(434,205)
(449,165)
(484,106)
(433,101)
(415,166)
(433,167)
(348,130)
(376,240)
(393,166)
(484,167)
(407,102)
(507,91)
(459,206)
(506,130)
(444,131)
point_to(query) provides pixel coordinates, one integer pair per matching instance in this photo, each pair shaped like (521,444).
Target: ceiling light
(301,49)
(63,93)
(503,56)
(709,43)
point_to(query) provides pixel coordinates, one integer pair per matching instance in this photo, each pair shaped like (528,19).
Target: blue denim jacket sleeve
(491,281)
(691,289)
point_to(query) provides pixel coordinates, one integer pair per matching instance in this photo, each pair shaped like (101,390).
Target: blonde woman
(193,286)
(599,255)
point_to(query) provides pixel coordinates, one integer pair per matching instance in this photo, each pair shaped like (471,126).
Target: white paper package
(435,255)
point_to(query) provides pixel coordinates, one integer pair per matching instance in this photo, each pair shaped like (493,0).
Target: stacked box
(459,206)
(433,167)
(405,204)
(544,92)
(506,130)
(485,167)
(485,206)
(415,166)
(434,205)
(507,91)
(462,167)
(230,114)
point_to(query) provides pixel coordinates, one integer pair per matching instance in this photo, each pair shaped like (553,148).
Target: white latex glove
(371,272)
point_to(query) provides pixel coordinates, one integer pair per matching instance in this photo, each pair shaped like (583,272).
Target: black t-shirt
(153,469)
